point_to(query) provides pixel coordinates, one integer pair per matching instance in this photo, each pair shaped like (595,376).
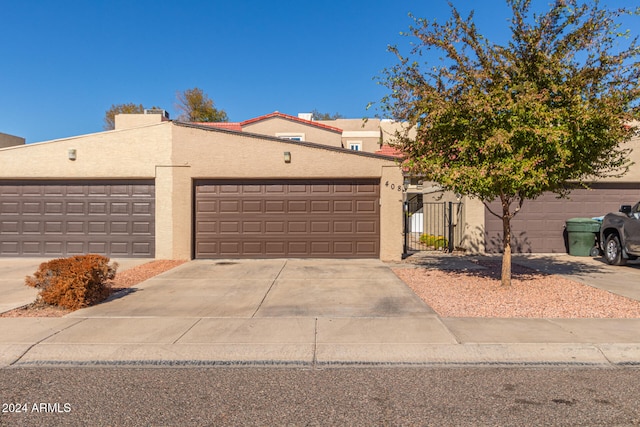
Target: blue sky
(65,62)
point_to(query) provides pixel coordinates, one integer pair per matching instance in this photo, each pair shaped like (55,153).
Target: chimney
(149,117)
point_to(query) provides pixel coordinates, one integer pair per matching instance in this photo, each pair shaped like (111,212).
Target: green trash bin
(582,235)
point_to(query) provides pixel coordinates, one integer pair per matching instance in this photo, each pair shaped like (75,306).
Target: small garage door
(277,218)
(539,226)
(61,218)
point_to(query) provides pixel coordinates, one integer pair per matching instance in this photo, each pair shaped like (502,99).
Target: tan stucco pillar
(391,213)
(473,237)
(173,212)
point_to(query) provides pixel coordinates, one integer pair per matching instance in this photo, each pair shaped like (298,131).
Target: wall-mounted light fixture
(287,157)
(71,153)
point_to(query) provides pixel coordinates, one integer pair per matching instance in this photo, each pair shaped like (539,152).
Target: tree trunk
(506,252)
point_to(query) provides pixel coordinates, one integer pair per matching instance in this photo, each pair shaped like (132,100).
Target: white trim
(351,144)
(291,136)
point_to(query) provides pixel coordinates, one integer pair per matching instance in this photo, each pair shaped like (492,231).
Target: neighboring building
(365,135)
(162,189)
(7,140)
(539,227)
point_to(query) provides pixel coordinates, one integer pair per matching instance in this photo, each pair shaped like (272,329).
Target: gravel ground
(478,293)
(124,279)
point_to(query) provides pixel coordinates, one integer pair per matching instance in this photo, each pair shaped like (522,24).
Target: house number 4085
(393,186)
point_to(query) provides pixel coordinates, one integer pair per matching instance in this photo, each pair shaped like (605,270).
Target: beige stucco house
(161,189)
(354,134)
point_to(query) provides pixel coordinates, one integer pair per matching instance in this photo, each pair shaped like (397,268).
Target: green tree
(196,106)
(510,122)
(110,114)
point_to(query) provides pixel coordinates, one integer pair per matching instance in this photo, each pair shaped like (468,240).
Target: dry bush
(75,282)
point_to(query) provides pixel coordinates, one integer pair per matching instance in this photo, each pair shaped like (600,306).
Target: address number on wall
(394,186)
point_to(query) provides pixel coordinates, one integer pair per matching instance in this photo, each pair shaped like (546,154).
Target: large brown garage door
(539,226)
(60,218)
(277,218)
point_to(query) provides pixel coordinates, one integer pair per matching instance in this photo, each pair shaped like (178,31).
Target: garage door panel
(53,248)
(367,247)
(142,249)
(321,189)
(9,227)
(230,206)
(9,247)
(294,227)
(321,248)
(252,227)
(539,226)
(280,218)
(53,227)
(343,206)
(274,206)
(277,249)
(249,206)
(368,227)
(229,249)
(75,227)
(343,248)
(53,208)
(323,227)
(62,218)
(274,188)
(343,226)
(297,206)
(227,227)
(276,227)
(366,207)
(320,206)
(207,206)
(7,208)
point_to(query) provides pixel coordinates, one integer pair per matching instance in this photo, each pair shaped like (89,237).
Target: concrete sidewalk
(308,313)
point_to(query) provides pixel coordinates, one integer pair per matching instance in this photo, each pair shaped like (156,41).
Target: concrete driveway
(13,292)
(268,288)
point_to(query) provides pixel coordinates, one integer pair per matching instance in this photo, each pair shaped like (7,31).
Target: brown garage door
(60,218)
(539,226)
(276,218)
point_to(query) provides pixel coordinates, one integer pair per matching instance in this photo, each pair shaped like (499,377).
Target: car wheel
(613,251)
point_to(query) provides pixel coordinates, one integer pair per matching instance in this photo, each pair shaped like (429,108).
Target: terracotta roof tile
(387,150)
(292,118)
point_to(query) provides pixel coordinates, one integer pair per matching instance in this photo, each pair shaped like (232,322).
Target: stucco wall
(211,154)
(278,125)
(132,153)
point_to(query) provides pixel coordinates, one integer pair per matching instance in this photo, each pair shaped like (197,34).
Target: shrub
(75,282)
(436,242)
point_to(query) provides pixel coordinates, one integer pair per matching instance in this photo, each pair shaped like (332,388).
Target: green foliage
(196,106)
(74,282)
(436,242)
(110,114)
(514,121)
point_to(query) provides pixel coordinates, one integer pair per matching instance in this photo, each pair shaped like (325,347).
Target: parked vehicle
(620,235)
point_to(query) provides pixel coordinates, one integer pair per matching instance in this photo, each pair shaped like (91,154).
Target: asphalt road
(160,396)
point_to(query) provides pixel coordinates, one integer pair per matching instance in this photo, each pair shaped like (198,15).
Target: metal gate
(431,226)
